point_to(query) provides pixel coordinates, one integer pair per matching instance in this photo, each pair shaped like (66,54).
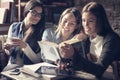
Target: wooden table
(22,76)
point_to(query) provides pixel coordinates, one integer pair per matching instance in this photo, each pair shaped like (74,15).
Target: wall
(112,8)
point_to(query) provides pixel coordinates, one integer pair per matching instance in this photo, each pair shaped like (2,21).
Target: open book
(43,70)
(32,69)
(49,50)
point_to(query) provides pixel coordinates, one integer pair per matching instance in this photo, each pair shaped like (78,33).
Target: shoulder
(16,24)
(112,37)
(49,31)
(48,34)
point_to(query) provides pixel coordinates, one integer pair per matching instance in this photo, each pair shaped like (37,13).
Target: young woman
(68,26)
(102,44)
(22,39)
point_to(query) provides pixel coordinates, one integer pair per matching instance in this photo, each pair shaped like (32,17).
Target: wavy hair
(77,15)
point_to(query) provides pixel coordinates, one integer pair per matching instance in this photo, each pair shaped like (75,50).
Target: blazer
(110,52)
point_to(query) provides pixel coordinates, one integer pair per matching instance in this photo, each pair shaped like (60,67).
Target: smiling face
(34,15)
(68,24)
(89,24)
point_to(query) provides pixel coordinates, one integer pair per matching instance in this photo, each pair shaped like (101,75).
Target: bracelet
(67,61)
(69,66)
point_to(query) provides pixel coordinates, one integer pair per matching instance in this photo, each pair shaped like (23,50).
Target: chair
(3,59)
(116,70)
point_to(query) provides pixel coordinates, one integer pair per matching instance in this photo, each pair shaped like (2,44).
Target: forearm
(31,54)
(80,63)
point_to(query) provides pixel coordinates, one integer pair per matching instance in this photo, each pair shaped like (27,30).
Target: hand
(7,46)
(91,57)
(66,50)
(80,36)
(65,65)
(19,43)
(14,42)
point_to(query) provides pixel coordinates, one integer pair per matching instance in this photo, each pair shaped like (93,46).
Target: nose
(66,24)
(86,23)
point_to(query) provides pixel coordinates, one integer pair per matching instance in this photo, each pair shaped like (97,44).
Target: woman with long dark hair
(23,36)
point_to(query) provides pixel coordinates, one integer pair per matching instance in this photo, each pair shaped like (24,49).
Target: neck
(65,37)
(93,36)
(27,24)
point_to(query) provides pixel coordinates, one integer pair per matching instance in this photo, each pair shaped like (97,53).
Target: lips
(86,29)
(35,21)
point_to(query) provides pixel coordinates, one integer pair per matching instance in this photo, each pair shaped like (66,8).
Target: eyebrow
(70,21)
(93,18)
(89,18)
(36,11)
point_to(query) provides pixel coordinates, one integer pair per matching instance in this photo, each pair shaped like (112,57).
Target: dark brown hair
(34,33)
(103,26)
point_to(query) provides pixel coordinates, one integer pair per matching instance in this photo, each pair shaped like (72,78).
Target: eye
(64,21)
(72,23)
(33,12)
(83,20)
(91,20)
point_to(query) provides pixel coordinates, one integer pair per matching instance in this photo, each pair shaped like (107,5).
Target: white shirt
(96,46)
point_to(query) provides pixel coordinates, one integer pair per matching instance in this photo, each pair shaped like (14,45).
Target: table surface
(79,75)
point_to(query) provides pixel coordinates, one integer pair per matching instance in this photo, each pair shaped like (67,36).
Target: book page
(31,69)
(76,43)
(48,43)
(34,67)
(49,51)
(71,41)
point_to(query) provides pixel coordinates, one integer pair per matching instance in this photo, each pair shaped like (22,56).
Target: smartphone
(15,72)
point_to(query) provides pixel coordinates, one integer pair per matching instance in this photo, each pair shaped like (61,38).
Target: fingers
(66,51)
(65,47)
(62,65)
(65,65)
(14,42)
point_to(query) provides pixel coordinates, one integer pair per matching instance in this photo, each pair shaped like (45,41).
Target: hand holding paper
(66,50)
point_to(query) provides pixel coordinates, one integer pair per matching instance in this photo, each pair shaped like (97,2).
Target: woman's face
(89,23)
(34,15)
(68,24)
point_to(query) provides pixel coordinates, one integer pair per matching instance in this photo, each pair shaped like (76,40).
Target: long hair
(40,26)
(77,15)
(102,24)
(34,33)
